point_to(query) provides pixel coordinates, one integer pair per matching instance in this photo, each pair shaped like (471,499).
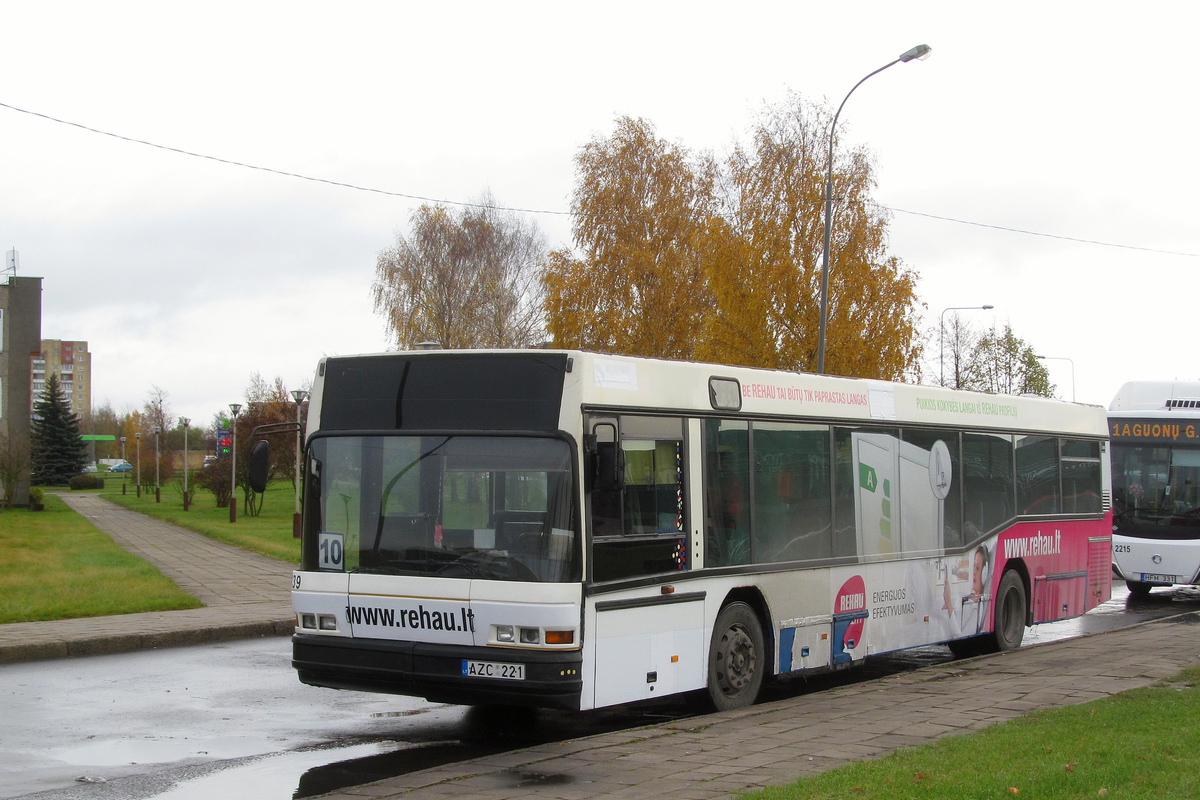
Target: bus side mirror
(260,465)
(608,460)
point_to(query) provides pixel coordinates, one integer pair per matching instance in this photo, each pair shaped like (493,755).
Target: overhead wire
(466,204)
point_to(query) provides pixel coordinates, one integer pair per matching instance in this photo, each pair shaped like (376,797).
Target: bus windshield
(1156,491)
(491,507)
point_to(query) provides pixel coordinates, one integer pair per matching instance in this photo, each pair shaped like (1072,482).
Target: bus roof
(1164,396)
(611,380)
(632,383)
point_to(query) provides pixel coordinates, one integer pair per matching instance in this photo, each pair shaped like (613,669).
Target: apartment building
(72,363)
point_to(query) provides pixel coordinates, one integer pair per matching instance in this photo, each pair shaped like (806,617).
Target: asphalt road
(231,720)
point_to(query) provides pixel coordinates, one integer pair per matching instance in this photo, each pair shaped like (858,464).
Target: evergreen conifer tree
(58,450)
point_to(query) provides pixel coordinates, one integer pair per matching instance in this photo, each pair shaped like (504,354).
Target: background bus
(1155,432)
(574,530)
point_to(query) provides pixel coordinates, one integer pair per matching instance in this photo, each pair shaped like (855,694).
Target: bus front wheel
(736,658)
(1011,609)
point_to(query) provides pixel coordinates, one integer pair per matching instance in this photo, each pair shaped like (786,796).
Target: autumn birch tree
(465,278)
(768,293)
(682,257)
(641,207)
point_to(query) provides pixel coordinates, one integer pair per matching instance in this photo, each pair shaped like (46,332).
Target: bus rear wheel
(736,658)
(1011,610)
(1138,588)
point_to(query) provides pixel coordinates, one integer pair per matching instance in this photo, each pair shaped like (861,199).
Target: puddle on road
(102,752)
(284,776)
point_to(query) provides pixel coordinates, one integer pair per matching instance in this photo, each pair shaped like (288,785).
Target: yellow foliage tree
(684,259)
(640,210)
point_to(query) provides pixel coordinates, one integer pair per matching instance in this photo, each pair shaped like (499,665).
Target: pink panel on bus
(1068,562)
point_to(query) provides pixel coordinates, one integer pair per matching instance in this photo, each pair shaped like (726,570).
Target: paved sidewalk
(721,755)
(245,594)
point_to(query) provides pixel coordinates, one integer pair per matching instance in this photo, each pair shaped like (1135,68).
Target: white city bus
(1155,432)
(573,530)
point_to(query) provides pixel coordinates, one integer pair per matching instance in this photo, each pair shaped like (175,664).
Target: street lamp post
(157,468)
(298,395)
(138,443)
(123,462)
(234,410)
(920,52)
(942,338)
(184,421)
(1069,361)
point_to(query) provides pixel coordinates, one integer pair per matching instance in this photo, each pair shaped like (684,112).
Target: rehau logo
(419,618)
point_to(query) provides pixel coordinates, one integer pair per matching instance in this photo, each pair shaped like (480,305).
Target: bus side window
(638,523)
(792,503)
(952,525)
(1038,489)
(1081,476)
(987,483)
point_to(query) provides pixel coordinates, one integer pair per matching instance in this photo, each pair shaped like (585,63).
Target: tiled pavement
(723,754)
(700,758)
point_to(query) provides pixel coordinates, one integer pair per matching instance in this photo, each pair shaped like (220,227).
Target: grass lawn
(270,533)
(1144,743)
(57,565)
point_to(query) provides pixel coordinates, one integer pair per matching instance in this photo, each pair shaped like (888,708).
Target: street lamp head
(987,308)
(235,408)
(137,435)
(184,421)
(122,440)
(920,53)
(299,395)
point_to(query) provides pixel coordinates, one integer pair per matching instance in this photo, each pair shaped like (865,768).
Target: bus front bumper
(553,679)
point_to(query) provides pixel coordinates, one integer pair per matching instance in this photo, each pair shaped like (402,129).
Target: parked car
(210,460)
(90,468)
(124,466)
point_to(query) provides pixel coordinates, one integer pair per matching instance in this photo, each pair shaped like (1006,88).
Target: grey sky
(1076,119)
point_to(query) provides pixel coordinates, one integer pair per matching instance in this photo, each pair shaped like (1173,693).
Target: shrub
(87,480)
(35,495)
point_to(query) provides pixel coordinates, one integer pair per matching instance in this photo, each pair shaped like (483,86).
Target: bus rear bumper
(553,679)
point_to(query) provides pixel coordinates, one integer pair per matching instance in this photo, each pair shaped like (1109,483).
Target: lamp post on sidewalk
(920,53)
(157,468)
(123,462)
(184,421)
(1069,361)
(234,410)
(138,444)
(299,395)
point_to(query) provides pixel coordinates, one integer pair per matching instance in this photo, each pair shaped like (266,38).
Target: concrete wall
(20,336)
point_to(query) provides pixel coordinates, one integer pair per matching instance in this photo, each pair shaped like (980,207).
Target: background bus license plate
(1148,578)
(492,669)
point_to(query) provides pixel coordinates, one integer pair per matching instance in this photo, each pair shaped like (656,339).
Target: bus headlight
(504,633)
(531,636)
